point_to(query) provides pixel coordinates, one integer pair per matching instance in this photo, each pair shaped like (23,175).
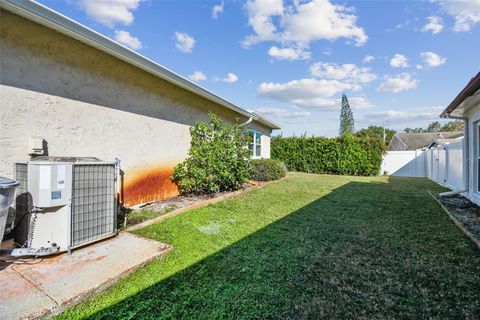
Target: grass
(139,216)
(310,246)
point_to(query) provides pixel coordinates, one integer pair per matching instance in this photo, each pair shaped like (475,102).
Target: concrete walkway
(32,288)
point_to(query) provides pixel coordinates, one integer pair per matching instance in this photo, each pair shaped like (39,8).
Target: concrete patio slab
(19,297)
(33,288)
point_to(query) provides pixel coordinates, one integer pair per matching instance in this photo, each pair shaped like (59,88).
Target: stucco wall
(84,102)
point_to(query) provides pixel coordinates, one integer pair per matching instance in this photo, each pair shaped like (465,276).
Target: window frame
(254,144)
(477,155)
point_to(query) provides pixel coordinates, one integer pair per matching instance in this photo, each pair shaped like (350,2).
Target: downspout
(451,193)
(466,159)
(246,122)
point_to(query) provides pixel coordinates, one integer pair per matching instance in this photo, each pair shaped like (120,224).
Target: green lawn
(310,246)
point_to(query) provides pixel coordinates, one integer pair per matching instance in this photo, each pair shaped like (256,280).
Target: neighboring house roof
(414,141)
(469,96)
(45,16)
(443,142)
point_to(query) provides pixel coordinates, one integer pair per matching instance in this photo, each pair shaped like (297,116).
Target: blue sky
(399,62)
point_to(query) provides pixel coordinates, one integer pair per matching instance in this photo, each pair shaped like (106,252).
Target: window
(255,143)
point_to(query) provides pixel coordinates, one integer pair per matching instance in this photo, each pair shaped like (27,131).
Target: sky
(400,63)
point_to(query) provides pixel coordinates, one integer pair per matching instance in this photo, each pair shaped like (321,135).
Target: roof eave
(464,107)
(472,88)
(264,120)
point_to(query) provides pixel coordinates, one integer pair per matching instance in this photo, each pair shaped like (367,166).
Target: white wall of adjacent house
(83,102)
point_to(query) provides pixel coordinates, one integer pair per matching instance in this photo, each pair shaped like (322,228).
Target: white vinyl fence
(404,163)
(443,164)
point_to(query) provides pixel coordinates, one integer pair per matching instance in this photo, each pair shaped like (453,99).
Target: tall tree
(347,125)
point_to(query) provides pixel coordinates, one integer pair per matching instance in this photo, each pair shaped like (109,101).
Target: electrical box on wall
(35,146)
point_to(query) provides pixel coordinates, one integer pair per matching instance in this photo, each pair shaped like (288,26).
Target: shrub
(267,169)
(217,160)
(347,155)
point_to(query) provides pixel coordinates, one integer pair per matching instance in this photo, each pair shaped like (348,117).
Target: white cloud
(359,103)
(230,78)
(110,12)
(303,88)
(465,12)
(402,25)
(321,19)
(368,59)
(184,42)
(217,10)
(283,113)
(399,61)
(197,76)
(434,25)
(327,51)
(302,23)
(128,40)
(288,53)
(404,116)
(346,72)
(260,15)
(432,59)
(306,93)
(395,84)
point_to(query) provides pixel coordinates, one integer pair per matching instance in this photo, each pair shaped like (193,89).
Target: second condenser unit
(65,202)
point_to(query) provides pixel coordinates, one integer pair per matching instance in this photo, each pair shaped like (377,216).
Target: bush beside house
(217,160)
(267,169)
(347,155)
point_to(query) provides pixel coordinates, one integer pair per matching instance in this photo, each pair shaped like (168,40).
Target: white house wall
(84,102)
(473,118)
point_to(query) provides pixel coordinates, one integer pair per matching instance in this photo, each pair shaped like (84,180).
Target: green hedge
(267,169)
(347,155)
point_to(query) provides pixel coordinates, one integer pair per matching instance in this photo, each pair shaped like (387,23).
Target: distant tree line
(382,133)
(435,126)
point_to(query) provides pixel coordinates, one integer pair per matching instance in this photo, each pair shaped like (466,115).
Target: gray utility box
(65,202)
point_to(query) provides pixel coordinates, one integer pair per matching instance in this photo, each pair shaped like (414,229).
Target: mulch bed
(465,212)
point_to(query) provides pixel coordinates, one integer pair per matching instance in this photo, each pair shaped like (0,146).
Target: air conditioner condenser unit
(65,203)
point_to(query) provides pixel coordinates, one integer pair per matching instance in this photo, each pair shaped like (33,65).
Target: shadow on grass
(381,250)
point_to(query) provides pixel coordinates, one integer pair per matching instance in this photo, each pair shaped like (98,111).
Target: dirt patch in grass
(465,212)
(151,210)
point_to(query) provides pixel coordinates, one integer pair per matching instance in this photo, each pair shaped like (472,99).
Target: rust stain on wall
(150,185)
